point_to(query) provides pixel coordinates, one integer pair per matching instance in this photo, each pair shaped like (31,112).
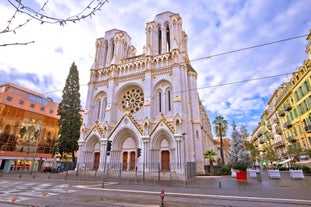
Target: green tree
(250,146)
(70,117)
(294,151)
(220,127)
(210,155)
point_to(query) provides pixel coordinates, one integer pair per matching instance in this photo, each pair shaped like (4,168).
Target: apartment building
(286,123)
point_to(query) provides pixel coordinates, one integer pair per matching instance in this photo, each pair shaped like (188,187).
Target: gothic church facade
(146,106)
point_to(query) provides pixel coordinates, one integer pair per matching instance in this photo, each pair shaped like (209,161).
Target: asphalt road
(201,191)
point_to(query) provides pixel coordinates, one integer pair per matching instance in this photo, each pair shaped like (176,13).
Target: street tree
(251,147)
(293,151)
(70,117)
(210,155)
(220,127)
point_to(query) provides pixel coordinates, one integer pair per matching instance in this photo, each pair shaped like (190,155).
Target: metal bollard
(258,175)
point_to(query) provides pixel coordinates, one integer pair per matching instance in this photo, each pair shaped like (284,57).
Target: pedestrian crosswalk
(18,191)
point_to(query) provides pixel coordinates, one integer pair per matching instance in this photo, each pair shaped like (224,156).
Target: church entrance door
(132,160)
(124,164)
(96,160)
(165,160)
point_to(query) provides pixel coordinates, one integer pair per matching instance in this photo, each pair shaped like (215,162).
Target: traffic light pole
(103,180)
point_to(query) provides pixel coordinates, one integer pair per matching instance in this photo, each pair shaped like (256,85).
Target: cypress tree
(70,117)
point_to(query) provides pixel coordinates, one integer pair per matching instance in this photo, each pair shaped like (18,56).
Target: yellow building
(286,123)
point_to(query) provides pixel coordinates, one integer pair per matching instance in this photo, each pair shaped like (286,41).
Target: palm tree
(210,155)
(220,127)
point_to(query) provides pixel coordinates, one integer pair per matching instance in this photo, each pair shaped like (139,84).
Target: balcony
(287,107)
(278,131)
(287,124)
(308,128)
(269,126)
(281,113)
(291,139)
(278,144)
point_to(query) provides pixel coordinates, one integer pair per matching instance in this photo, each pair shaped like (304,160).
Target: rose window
(132,99)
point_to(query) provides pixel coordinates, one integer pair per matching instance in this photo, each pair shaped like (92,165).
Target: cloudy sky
(213,27)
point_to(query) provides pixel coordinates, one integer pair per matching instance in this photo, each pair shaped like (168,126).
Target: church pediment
(127,121)
(96,129)
(163,123)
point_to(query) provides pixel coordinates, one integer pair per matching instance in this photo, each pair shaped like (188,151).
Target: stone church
(145,107)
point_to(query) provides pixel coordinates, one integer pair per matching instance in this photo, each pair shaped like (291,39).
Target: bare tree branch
(92,7)
(17,43)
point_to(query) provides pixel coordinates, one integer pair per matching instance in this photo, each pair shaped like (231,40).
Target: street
(202,191)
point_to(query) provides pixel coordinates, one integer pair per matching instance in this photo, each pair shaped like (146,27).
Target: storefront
(23,162)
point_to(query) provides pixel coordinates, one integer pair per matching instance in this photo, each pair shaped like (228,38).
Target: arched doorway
(124,162)
(96,160)
(132,160)
(165,160)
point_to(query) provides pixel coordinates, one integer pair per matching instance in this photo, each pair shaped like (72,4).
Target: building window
(9,98)
(160,102)
(168,41)
(307,85)
(51,111)
(21,102)
(32,106)
(160,40)
(169,100)
(297,96)
(42,108)
(98,109)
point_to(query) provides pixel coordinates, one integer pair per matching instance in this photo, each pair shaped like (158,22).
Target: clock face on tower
(132,99)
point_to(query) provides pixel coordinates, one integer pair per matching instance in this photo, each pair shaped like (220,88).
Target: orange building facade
(28,128)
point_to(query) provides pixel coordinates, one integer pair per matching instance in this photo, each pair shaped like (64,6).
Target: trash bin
(258,175)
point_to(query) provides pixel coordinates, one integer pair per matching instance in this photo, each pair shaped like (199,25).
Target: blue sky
(212,26)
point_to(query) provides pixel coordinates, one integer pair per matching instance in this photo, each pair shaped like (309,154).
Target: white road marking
(200,195)
(27,190)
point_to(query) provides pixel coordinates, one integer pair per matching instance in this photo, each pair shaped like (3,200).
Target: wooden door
(165,160)
(96,160)
(132,160)
(124,163)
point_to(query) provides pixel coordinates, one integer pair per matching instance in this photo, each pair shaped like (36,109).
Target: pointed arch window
(168,42)
(169,100)
(159,40)
(112,49)
(106,53)
(160,101)
(98,109)
(103,109)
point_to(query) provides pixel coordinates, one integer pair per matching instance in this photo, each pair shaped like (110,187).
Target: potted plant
(239,158)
